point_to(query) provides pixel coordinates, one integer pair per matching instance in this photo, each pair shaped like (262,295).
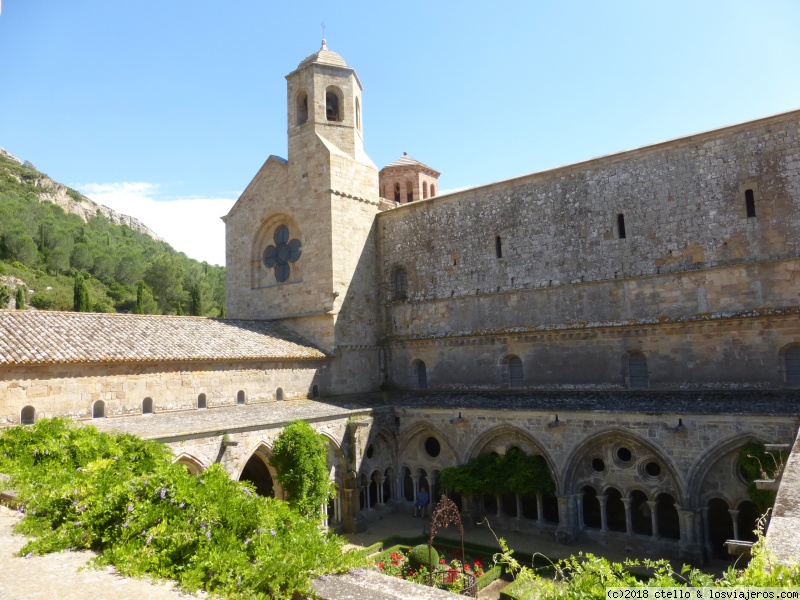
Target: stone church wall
(687,236)
(72,390)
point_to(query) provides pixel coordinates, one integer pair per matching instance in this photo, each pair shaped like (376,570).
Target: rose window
(282,253)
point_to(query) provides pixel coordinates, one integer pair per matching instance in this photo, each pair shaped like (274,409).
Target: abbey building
(632,319)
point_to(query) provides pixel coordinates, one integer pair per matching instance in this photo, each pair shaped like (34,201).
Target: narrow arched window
(792,364)
(279,394)
(515,372)
(315,391)
(424,189)
(302,108)
(147,406)
(332,106)
(621,226)
(399,291)
(421,374)
(27,415)
(638,377)
(241,398)
(409,191)
(397,192)
(498,246)
(433,190)
(750,203)
(358,115)
(99,410)
(201,401)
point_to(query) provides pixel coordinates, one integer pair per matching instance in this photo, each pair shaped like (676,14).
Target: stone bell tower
(300,240)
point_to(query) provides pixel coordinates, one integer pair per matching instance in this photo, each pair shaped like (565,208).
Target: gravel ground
(62,576)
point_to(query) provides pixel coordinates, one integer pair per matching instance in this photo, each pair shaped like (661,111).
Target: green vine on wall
(515,472)
(757,463)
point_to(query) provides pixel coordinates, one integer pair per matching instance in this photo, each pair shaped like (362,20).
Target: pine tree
(20,298)
(80,296)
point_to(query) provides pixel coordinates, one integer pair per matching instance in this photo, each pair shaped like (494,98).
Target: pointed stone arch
(421,426)
(192,464)
(583,449)
(260,274)
(263,452)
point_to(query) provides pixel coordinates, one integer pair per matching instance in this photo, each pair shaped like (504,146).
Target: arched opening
(591,508)
(422,482)
(397,192)
(241,398)
(387,485)
(302,107)
(498,246)
(399,280)
(332,112)
(530,508)
(515,375)
(373,489)
(201,401)
(747,521)
(315,391)
(433,190)
(638,377)
(720,527)
(490,504)
(750,203)
(509,504)
(358,115)
(279,394)
(421,375)
(550,507)
(791,360)
(190,465)
(27,416)
(408,485)
(99,410)
(257,473)
(424,189)
(147,406)
(669,524)
(615,510)
(641,519)
(409,191)
(621,226)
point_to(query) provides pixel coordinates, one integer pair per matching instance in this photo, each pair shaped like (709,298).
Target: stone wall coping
(366,583)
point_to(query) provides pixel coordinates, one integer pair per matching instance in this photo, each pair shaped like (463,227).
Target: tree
(179,310)
(81,296)
(301,456)
(222,314)
(145,305)
(19,298)
(4,296)
(195,300)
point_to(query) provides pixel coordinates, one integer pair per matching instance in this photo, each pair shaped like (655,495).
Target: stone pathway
(61,575)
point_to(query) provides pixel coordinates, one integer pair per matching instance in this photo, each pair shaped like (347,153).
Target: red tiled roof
(42,337)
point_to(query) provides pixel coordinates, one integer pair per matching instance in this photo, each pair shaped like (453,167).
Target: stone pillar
(415,479)
(540,508)
(603,515)
(399,489)
(626,502)
(691,547)
(579,501)
(735,518)
(379,481)
(499,500)
(651,504)
(519,507)
(706,531)
(566,531)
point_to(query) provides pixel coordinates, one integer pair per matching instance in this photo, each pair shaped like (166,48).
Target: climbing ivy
(757,463)
(514,472)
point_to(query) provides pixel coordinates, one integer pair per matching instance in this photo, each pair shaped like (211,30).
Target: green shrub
(124,498)
(418,556)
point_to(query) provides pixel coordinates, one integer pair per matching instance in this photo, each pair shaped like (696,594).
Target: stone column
(603,515)
(706,531)
(734,517)
(540,508)
(415,479)
(579,501)
(381,499)
(499,500)
(626,502)
(651,504)
(566,519)
(519,507)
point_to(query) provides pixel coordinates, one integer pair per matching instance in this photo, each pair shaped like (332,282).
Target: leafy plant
(124,498)
(4,296)
(301,456)
(515,472)
(757,463)
(19,298)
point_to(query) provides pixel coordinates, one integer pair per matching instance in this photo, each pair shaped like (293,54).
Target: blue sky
(166,109)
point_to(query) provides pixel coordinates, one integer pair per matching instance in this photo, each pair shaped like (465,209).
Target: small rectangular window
(498,247)
(621,226)
(750,203)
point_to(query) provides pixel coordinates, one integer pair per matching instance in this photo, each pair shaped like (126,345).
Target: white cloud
(190,225)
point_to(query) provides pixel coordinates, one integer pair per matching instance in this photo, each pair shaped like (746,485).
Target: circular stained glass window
(284,253)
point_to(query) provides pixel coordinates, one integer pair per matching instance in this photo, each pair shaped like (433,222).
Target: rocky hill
(70,200)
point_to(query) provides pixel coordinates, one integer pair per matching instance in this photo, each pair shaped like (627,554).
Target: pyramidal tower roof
(408,161)
(323,57)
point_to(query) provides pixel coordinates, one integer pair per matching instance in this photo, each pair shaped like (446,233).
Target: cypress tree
(195,300)
(179,312)
(20,298)
(222,314)
(80,296)
(139,309)
(4,296)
